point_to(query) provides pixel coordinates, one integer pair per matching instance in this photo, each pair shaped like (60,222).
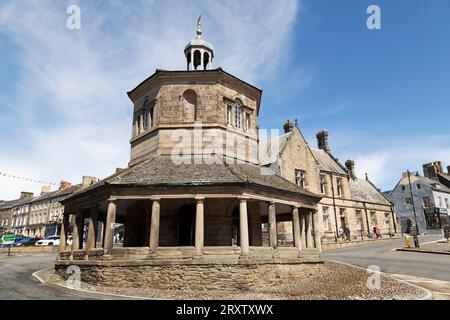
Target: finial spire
(199,28)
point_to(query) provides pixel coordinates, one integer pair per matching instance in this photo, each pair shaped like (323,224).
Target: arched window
(189,106)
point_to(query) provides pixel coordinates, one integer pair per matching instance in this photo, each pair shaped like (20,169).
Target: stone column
(199,226)
(92,231)
(296,228)
(317,237)
(154,225)
(243,227)
(81,226)
(309,233)
(76,236)
(272,226)
(302,230)
(63,236)
(109,227)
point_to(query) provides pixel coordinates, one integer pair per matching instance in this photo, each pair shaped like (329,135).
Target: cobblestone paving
(330,281)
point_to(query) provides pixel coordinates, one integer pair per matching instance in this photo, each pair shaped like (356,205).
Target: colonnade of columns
(305,228)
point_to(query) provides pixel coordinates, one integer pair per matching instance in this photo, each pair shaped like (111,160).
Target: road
(17,282)
(383,254)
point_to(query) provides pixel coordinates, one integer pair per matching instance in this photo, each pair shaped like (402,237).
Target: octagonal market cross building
(184,208)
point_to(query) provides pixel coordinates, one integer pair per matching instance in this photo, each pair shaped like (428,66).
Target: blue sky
(383,95)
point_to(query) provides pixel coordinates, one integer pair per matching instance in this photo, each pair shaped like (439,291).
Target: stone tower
(193,109)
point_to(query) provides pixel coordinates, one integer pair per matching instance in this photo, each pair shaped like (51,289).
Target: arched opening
(189,106)
(197,59)
(205,60)
(186,225)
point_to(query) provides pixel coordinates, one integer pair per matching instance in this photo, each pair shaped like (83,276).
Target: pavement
(427,270)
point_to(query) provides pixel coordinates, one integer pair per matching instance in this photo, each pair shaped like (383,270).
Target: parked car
(10,239)
(28,242)
(18,241)
(48,241)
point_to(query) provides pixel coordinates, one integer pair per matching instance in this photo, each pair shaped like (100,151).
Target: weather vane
(199,28)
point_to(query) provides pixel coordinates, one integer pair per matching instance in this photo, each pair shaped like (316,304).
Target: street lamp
(416,238)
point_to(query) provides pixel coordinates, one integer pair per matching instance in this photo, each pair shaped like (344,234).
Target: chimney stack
(288,126)
(350,165)
(45,189)
(431,170)
(64,185)
(87,181)
(26,195)
(322,141)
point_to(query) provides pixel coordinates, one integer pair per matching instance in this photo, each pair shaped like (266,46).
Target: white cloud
(385,165)
(72,109)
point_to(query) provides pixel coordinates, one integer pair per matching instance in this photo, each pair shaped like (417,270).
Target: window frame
(300,178)
(325,217)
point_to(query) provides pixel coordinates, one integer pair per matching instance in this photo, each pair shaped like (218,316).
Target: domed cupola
(199,53)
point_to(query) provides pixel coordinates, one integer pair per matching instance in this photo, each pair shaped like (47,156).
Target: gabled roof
(162,171)
(327,162)
(282,142)
(363,190)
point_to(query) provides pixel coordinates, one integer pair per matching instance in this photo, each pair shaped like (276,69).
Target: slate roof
(431,182)
(162,171)
(52,194)
(281,140)
(444,178)
(326,162)
(363,190)
(16,202)
(57,193)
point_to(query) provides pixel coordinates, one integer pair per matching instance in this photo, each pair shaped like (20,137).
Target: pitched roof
(281,140)
(433,184)
(326,162)
(363,190)
(162,171)
(444,178)
(48,195)
(57,193)
(16,202)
